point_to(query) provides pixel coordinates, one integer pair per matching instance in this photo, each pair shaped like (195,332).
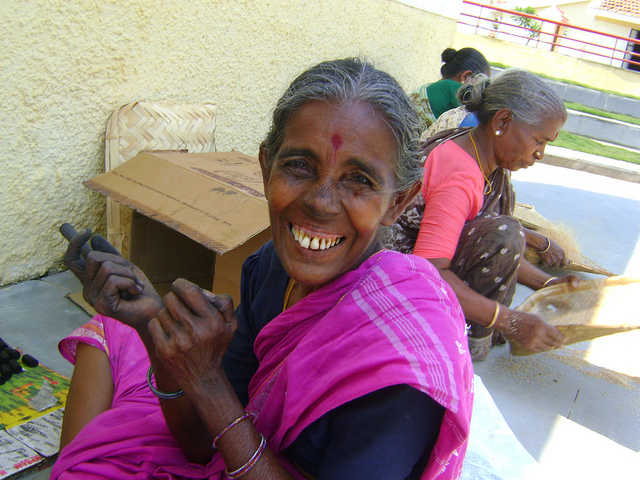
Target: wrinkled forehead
(342,124)
(358,114)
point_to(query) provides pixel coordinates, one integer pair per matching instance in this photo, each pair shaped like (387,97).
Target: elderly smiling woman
(342,361)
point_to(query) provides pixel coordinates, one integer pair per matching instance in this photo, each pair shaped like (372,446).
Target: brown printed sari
(490,245)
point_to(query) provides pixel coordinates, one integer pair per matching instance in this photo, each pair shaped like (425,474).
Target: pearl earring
(498,132)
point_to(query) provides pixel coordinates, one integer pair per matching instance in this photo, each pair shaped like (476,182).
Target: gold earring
(538,155)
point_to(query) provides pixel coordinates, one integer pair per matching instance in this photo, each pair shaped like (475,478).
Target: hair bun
(471,95)
(448,54)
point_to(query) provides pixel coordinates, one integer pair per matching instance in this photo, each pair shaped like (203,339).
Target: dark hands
(112,285)
(554,256)
(78,248)
(192,333)
(532,332)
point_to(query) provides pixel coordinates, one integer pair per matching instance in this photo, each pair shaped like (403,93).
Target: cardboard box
(197,215)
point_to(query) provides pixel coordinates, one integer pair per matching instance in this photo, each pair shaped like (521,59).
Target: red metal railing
(552,35)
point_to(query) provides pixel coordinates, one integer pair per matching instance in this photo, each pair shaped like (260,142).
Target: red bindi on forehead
(336,141)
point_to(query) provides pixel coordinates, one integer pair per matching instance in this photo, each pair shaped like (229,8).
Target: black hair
(458,61)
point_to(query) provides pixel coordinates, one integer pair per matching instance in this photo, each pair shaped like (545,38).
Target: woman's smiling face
(330,187)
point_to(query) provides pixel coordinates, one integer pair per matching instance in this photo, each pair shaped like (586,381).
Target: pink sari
(391,321)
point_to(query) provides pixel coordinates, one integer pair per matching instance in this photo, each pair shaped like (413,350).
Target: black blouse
(386,434)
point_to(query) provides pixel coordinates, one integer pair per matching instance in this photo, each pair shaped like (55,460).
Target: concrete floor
(576,410)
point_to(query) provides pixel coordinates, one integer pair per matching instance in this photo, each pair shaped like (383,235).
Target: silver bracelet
(158,393)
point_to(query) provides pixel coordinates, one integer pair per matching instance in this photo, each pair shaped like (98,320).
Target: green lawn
(586,145)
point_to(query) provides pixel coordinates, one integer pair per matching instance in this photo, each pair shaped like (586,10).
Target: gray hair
(348,81)
(530,99)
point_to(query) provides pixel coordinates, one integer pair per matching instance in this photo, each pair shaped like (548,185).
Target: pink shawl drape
(391,321)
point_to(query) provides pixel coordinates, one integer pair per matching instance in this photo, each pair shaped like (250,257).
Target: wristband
(548,280)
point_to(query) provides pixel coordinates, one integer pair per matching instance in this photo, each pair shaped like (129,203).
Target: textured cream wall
(65,66)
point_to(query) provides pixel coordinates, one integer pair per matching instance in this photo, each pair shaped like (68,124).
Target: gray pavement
(576,410)
(586,162)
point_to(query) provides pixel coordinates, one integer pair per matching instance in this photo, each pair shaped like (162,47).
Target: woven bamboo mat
(152,126)
(531,219)
(594,309)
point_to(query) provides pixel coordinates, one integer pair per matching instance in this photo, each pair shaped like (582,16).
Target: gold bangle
(547,282)
(495,316)
(548,245)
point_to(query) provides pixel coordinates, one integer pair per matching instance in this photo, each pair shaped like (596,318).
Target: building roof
(628,8)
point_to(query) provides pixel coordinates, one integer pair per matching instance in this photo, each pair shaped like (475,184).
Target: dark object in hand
(69,232)
(4,357)
(5,370)
(13,353)
(29,361)
(14,366)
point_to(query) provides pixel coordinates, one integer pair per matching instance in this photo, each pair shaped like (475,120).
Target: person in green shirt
(460,66)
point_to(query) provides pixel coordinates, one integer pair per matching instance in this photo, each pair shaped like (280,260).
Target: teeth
(313,243)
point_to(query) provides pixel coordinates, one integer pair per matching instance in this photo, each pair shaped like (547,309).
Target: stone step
(596,99)
(586,162)
(603,129)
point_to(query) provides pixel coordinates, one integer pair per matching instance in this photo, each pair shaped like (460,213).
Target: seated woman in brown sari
(467,230)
